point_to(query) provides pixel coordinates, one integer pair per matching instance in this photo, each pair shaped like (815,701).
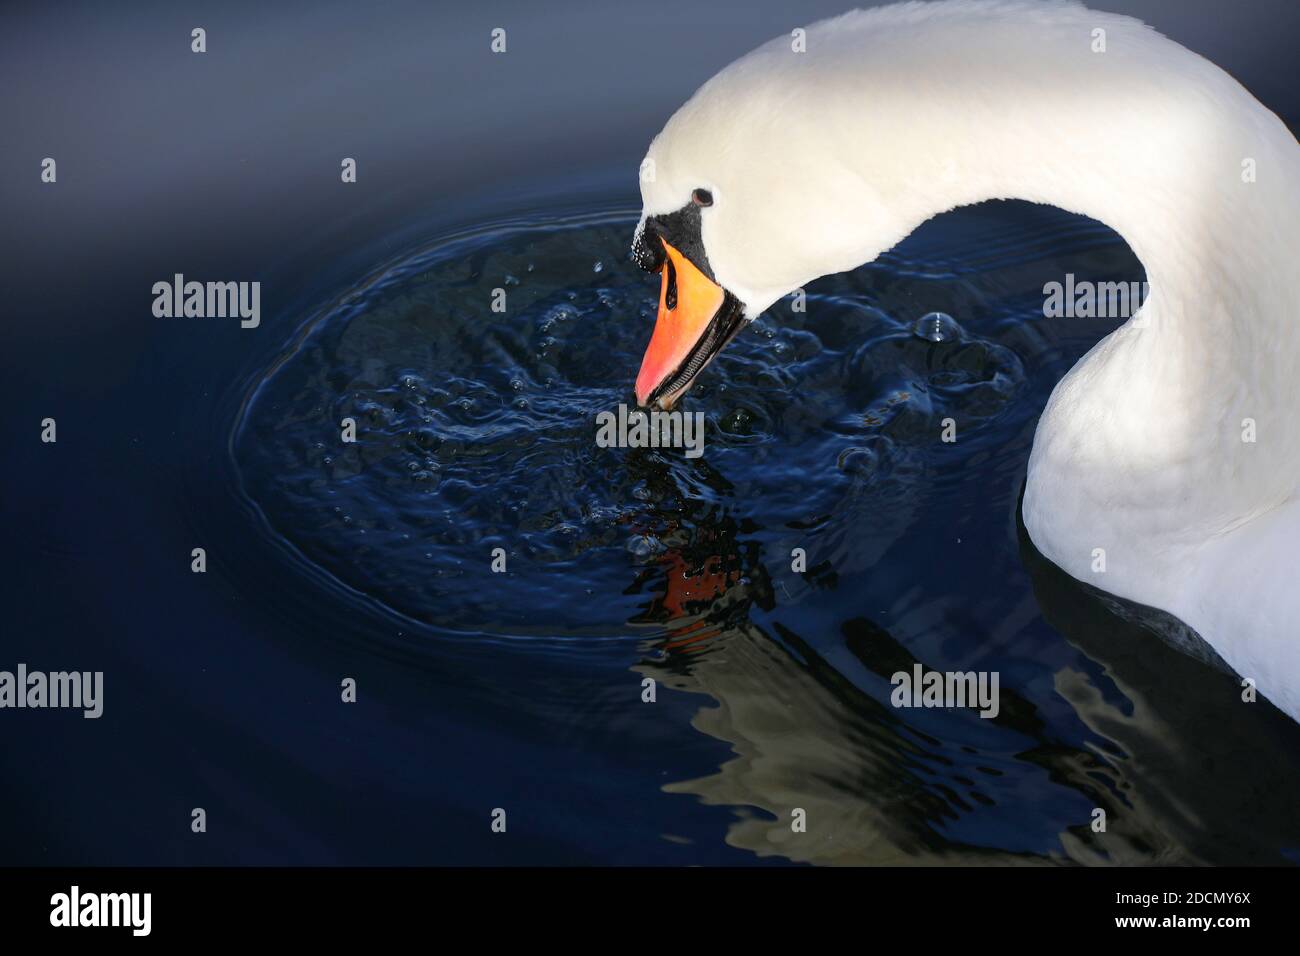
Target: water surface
(476,432)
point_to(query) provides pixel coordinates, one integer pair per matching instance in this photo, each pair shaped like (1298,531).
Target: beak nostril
(670,293)
(648,251)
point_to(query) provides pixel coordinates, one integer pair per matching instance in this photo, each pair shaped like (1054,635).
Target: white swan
(790,165)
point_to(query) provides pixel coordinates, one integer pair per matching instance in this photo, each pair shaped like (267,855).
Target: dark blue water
(523,690)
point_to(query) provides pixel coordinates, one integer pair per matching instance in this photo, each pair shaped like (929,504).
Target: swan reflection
(808,718)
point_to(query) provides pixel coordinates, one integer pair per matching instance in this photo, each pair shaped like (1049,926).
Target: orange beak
(685,336)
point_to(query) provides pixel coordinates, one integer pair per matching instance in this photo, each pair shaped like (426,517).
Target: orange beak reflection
(686,335)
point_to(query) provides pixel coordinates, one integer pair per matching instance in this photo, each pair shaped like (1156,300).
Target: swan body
(1166,465)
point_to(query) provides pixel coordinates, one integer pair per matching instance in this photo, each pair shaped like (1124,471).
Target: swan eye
(702,197)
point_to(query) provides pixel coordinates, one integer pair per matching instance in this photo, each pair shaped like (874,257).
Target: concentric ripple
(474,371)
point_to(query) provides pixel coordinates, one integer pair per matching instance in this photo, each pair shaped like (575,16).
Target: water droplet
(936,327)
(598,267)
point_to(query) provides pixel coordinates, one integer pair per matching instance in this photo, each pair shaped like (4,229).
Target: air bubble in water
(936,327)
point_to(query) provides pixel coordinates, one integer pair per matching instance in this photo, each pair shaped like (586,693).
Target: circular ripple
(475,431)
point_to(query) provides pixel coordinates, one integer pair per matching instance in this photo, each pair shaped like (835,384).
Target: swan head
(751,190)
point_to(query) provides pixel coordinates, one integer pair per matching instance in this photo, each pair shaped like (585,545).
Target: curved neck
(1192,400)
(1204,185)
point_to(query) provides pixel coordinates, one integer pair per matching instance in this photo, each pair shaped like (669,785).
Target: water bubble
(598,267)
(644,545)
(936,327)
(856,461)
(737,422)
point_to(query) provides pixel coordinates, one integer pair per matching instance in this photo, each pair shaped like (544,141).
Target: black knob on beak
(648,249)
